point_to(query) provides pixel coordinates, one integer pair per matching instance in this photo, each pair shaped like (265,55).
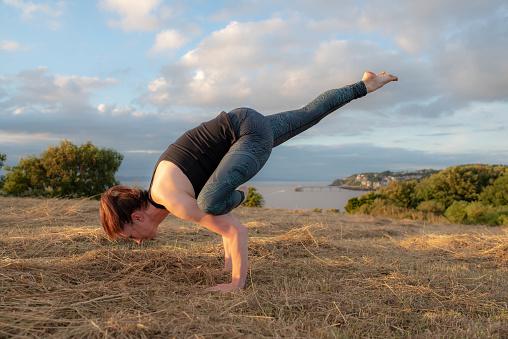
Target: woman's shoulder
(169,178)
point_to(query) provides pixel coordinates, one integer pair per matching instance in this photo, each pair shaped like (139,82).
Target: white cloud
(11,46)
(263,65)
(36,90)
(167,40)
(116,111)
(472,62)
(51,10)
(7,137)
(145,151)
(136,15)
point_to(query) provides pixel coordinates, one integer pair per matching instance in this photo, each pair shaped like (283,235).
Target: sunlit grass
(312,274)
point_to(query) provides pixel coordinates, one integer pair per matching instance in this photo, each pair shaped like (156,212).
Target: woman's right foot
(375,81)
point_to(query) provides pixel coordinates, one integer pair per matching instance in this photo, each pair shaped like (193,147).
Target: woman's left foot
(375,81)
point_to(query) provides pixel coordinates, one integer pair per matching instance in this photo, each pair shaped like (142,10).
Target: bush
(253,199)
(497,193)
(431,206)
(401,194)
(457,212)
(354,204)
(27,178)
(503,220)
(465,182)
(478,213)
(66,170)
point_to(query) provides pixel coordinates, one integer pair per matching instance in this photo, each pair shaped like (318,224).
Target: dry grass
(313,274)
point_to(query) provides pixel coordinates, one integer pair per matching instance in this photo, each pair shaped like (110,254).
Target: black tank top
(199,151)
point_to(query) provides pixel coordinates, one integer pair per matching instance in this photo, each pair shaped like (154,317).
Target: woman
(197,177)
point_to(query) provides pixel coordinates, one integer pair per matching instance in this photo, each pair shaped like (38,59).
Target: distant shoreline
(354,188)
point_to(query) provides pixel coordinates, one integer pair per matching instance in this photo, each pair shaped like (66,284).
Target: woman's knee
(211,204)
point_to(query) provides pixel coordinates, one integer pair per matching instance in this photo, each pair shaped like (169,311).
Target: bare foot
(375,81)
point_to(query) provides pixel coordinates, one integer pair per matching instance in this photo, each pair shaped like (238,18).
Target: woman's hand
(224,288)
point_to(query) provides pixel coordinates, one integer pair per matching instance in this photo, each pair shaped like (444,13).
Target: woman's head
(117,206)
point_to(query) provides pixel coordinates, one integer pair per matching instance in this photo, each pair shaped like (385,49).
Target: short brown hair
(117,205)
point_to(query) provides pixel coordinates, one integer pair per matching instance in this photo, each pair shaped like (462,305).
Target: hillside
(374,180)
(312,275)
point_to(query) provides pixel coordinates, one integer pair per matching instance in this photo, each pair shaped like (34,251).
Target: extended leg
(286,125)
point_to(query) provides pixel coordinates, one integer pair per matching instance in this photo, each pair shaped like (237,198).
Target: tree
(65,170)
(27,178)
(457,212)
(458,183)
(253,199)
(401,193)
(354,204)
(497,193)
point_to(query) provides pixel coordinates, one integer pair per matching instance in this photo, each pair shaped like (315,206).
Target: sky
(135,75)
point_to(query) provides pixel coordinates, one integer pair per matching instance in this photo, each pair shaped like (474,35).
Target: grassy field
(311,275)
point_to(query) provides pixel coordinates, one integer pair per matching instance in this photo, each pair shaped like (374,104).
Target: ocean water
(282,194)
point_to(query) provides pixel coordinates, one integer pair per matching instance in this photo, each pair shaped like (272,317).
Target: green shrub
(464,182)
(253,199)
(401,193)
(497,193)
(318,210)
(503,220)
(66,170)
(431,206)
(478,213)
(457,212)
(354,204)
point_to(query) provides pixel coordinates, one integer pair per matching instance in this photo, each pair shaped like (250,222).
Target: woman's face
(142,227)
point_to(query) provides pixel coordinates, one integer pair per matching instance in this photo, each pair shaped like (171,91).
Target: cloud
(472,62)
(262,64)
(167,40)
(11,46)
(38,108)
(135,15)
(51,10)
(37,90)
(7,137)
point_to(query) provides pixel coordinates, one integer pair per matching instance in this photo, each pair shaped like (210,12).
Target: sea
(282,194)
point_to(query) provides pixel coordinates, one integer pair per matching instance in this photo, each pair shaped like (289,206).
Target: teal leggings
(256,135)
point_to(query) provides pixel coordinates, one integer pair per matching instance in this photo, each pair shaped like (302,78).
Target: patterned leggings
(256,135)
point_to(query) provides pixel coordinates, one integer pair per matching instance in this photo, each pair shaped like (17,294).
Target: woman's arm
(236,238)
(229,227)
(227,255)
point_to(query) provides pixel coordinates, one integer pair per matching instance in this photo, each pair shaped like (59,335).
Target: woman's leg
(243,160)
(257,134)
(286,125)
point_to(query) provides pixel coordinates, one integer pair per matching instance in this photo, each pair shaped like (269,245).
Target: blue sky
(135,75)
